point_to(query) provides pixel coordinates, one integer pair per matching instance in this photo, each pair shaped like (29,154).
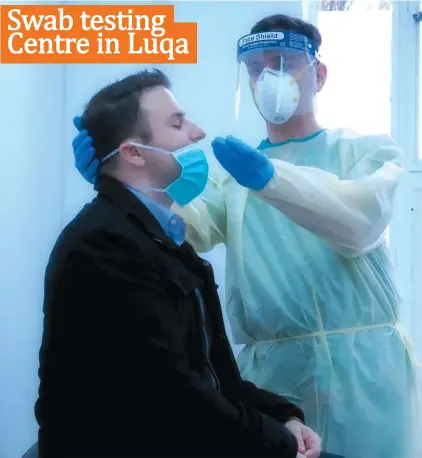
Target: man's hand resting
(309,442)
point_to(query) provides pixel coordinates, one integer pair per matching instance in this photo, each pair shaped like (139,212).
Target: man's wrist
(295,419)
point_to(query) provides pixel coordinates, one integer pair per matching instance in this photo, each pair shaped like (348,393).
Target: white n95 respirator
(276,95)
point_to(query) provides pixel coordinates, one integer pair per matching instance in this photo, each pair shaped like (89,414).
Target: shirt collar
(266,144)
(172,224)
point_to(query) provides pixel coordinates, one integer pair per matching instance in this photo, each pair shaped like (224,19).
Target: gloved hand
(84,152)
(248,166)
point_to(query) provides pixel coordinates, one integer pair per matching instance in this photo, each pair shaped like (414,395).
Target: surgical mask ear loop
(304,69)
(137,145)
(297,78)
(152,148)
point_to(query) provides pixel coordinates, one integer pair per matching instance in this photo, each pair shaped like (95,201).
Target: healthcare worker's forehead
(159,103)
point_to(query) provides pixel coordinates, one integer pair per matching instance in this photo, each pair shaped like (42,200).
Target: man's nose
(196,133)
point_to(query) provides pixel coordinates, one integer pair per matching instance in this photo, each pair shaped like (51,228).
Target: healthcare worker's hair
(284,23)
(115,113)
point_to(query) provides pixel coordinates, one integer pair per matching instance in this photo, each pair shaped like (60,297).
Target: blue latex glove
(84,152)
(248,166)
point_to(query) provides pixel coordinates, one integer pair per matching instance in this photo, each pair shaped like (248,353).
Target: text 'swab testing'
(108,34)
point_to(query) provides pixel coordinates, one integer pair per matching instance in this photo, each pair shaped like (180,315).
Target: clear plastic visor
(276,68)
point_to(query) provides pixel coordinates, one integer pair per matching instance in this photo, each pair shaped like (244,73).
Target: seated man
(135,361)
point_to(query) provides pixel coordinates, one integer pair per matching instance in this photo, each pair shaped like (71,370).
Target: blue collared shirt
(171,223)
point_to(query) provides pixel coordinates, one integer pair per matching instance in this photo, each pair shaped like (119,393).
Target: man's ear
(132,154)
(321,76)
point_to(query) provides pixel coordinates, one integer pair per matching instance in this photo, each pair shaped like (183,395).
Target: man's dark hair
(114,113)
(281,22)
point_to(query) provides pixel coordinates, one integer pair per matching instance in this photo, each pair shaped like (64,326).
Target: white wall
(41,191)
(31,216)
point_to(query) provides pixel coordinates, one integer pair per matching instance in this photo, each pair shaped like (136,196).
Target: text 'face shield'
(279,68)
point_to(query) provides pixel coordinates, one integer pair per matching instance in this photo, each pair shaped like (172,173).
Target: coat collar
(132,207)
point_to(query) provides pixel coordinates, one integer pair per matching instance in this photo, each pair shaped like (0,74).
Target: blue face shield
(194,175)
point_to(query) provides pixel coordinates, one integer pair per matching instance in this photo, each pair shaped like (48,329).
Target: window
(356,47)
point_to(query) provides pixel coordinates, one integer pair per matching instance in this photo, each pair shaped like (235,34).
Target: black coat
(122,361)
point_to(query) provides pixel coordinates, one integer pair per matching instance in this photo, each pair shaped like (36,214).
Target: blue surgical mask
(193,178)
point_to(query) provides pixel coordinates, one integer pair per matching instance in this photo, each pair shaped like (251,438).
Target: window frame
(405,80)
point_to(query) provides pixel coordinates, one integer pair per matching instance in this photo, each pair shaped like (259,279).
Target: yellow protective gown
(310,286)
